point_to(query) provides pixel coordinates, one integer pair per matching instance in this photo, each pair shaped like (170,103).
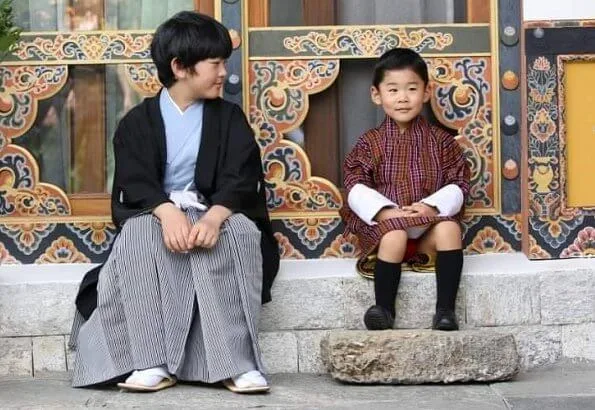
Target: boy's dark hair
(400,59)
(190,37)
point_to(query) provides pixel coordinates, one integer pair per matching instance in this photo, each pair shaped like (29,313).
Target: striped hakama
(196,313)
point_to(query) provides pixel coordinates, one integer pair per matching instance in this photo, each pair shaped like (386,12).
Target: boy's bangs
(213,42)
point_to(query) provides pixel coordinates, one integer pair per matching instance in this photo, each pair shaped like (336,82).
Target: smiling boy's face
(401,94)
(204,81)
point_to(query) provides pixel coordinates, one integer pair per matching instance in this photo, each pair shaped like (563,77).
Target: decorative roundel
(510,169)
(509,36)
(510,80)
(509,125)
(233,85)
(236,39)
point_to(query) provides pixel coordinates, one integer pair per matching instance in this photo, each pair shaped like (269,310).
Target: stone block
(415,305)
(37,309)
(49,354)
(359,296)
(279,352)
(16,356)
(309,358)
(502,299)
(537,345)
(567,297)
(422,356)
(416,302)
(578,341)
(305,304)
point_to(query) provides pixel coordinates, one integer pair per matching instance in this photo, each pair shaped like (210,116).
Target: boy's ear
(428,92)
(375,95)
(177,69)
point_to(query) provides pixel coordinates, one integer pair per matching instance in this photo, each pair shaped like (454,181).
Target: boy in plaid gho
(406,182)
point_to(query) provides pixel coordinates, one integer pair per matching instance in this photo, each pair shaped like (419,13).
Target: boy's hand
(205,232)
(175,226)
(418,209)
(390,213)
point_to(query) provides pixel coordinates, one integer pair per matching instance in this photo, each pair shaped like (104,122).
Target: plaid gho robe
(404,167)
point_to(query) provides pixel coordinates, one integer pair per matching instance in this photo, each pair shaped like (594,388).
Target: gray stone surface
(565,386)
(279,352)
(537,345)
(304,304)
(416,301)
(555,388)
(502,299)
(564,379)
(15,356)
(37,309)
(563,402)
(359,296)
(309,358)
(567,297)
(49,354)
(288,392)
(415,305)
(314,296)
(422,356)
(578,341)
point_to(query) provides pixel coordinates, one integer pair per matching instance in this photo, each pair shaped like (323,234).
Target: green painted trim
(339,42)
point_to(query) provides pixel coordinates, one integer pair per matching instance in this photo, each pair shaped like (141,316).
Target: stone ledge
(496,290)
(300,352)
(314,297)
(421,356)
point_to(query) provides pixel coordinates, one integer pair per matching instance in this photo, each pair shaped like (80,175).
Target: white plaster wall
(558,9)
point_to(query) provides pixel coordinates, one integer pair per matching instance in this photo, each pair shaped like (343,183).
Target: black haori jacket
(228,173)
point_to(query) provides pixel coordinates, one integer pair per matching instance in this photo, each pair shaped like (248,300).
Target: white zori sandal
(249,382)
(148,380)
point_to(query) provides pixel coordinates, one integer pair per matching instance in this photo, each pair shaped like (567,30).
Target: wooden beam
(319,12)
(478,11)
(90,204)
(321,127)
(205,7)
(258,13)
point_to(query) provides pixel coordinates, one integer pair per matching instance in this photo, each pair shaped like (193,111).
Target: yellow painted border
(339,57)
(351,26)
(495,61)
(12,220)
(218,13)
(75,62)
(245,57)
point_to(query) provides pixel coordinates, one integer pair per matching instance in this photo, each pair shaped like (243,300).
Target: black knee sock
(449,265)
(386,282)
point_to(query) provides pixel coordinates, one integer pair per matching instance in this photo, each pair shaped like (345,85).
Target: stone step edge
(488,264)
(300,352)
(421,356)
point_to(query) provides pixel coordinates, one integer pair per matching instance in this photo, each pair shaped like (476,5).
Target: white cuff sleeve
(448,199)
(367,202)
(186,199)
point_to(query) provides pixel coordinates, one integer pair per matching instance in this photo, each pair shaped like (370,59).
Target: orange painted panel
(580,133)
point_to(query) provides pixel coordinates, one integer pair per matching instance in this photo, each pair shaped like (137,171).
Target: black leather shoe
(445,319)
(378,318)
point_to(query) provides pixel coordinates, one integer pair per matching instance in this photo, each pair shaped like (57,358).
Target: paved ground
(567,386)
